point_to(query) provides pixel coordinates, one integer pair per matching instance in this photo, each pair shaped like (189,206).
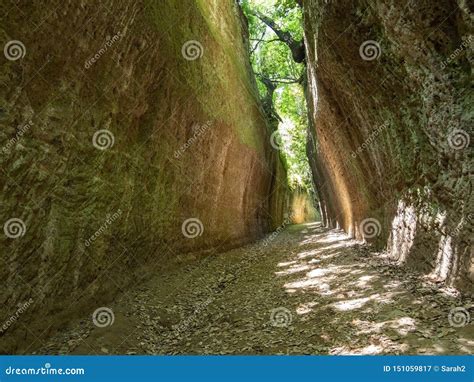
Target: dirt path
(306,291)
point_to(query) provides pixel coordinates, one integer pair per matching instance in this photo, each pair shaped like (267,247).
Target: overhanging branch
(296,46)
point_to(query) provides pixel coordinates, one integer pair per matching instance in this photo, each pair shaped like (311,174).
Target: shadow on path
(309,290)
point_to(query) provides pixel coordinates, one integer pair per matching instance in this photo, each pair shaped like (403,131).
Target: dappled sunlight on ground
(402,326)
(294,269)
(384,344)
(355,303)
(466,345)
(329,294)
(378,306)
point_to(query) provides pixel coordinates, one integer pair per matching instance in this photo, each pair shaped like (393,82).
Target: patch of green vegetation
(219,81)
(273,62)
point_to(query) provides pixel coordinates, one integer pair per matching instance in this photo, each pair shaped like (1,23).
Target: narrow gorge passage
(307,290)
(236,177)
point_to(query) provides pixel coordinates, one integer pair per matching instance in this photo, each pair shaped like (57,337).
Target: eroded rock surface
(390,93)
(123,120)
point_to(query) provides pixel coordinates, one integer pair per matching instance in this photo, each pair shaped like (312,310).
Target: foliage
(270,56)
(291,105)
(272,59)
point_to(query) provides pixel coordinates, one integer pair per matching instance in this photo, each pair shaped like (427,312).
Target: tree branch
(262,40)
(268,100)
(259,41)
(296,47)
(283,80)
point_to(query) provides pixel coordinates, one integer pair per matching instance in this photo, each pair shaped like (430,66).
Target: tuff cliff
(118,127)
(390,96)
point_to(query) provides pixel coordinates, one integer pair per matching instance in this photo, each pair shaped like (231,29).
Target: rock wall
(302,207)
(390,97)
(120,121)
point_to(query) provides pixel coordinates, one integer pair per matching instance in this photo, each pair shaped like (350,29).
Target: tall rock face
(390,96)
(302,207)
(131,133)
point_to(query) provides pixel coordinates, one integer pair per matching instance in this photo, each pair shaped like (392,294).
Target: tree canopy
(276,35)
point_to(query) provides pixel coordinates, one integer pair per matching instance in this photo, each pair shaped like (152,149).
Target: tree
(296,46)
(277,58)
